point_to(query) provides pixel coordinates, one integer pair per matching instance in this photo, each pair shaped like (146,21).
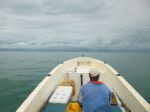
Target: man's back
(95,97)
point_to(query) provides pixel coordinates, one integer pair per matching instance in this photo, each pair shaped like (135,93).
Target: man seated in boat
(94,96)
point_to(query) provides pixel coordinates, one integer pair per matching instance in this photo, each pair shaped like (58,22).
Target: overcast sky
(78,24)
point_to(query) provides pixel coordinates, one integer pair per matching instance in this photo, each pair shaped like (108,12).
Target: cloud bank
(76,24)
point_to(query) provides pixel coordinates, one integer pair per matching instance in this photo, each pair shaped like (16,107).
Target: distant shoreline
(69,50)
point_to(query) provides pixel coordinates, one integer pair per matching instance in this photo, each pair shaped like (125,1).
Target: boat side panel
(40,95)
(131,97)
(126,92)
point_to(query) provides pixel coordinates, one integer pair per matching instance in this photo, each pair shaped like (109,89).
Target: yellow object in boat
(74,107)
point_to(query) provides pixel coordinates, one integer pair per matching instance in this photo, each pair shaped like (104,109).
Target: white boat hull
(73,69)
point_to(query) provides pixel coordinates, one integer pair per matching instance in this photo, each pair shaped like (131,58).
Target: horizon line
(73,50)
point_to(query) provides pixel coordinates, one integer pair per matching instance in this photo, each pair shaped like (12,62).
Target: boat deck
(55,106)
(55,103)
(62,108)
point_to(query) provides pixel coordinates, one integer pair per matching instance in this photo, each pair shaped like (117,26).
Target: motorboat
(48,96)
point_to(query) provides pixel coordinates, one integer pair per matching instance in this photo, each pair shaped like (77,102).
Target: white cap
(93,72)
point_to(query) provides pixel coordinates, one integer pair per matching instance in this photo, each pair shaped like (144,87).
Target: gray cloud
(120,24)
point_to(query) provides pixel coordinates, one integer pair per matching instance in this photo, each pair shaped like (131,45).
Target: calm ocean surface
(21,72)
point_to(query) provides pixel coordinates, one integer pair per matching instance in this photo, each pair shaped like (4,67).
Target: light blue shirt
(95,98)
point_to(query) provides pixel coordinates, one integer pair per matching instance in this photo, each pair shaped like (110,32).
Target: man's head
(94,74)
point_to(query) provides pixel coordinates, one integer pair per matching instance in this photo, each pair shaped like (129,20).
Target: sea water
(21,72)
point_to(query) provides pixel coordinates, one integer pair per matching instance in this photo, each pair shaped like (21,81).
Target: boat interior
(61,87)
(67,92)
